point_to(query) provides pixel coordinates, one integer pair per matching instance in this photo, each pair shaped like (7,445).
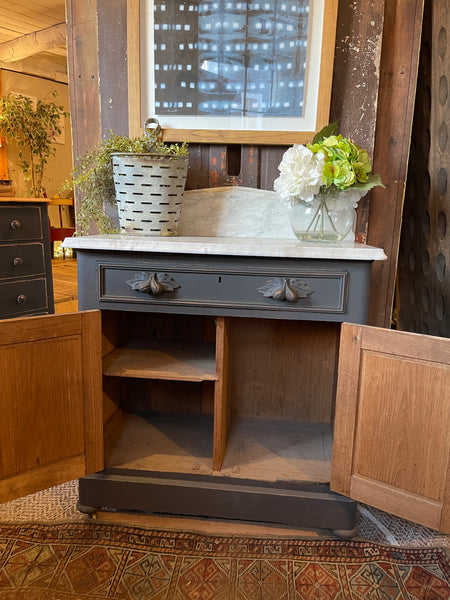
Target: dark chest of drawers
(26,284)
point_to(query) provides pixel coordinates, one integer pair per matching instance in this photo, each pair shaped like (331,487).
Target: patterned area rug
(95,561)
(59,505)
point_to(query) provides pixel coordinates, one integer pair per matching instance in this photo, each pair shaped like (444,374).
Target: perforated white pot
(149,192)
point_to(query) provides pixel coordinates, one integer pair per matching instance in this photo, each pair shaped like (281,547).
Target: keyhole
(220,279)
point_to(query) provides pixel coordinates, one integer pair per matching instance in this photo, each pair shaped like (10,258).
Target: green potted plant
(135,176)
(33,127)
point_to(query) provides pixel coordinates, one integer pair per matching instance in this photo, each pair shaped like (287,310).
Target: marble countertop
(231,221)
(227,246)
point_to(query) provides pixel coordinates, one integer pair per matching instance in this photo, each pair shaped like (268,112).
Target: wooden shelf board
(169,361)
(14,199)
(260,449)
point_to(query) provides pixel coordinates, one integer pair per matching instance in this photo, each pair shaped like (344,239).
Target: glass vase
(330,217)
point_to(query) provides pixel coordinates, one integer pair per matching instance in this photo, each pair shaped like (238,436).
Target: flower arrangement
(330,164)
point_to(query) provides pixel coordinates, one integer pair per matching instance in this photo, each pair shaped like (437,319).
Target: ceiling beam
(46,66)
(33,43)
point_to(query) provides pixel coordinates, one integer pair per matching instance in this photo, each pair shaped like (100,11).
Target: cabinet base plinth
(287,503)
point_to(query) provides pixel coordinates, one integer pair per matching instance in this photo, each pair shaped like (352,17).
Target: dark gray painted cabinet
(272,373)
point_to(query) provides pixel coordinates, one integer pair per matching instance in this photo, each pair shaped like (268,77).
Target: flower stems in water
(319,217)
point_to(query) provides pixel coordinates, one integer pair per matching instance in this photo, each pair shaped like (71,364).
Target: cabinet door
(50,401)
(392,427)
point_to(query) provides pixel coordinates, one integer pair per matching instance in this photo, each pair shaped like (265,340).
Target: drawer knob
(15,224)
(18,262)
(283,288)
(155,284)
(21,299)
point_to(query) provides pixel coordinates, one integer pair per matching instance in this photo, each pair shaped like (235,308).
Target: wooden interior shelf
(241,424)
(167,360)
(260,449)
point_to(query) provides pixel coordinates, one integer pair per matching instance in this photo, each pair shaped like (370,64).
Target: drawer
(319,290)
(21,260)
(20,223)
(22,297)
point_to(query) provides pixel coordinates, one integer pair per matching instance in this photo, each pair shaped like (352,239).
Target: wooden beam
(83,75)
(3,156)
(46,66)
(97,47)
(133,67)
(33,43)
(112,43)
(82,61)
(356,74)
(398,77)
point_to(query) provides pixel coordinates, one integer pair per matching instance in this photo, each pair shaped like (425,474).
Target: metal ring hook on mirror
(152,127)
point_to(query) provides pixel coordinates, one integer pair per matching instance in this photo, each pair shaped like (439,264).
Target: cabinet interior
(226,396)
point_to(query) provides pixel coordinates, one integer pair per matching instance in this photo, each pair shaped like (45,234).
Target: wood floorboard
(65,289)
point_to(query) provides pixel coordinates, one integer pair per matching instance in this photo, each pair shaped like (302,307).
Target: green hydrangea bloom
(340,173)
(346,163)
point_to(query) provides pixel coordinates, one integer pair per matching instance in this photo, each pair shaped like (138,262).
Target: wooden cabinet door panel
(392,427)
(51,421)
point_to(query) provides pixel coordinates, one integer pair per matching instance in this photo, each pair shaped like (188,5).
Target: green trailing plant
(93,176)
(33,126)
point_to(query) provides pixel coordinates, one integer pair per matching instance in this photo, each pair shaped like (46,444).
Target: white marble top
(232,221)
(228,246)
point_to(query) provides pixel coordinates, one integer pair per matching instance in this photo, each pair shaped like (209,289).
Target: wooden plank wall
(397,91)
(3,158)
(358,101)
(113,73)
(83,74)
(353,103)
(423,292)
(354,89)
(354,97)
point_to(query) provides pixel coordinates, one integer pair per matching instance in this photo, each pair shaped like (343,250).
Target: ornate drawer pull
(18,262)
(155,284)
(283,288)
(15,224)
(21,299)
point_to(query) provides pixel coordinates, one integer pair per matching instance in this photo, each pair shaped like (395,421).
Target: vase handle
(283,288)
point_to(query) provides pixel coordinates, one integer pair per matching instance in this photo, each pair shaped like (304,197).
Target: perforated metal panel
(423,293)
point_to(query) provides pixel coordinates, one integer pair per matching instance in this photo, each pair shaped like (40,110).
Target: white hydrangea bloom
(300,174)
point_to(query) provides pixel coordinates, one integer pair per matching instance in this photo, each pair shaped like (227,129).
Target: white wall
(58,168)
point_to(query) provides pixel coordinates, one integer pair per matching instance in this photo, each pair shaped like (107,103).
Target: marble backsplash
(234,212)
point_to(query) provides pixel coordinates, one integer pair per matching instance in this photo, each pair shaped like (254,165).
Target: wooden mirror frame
(273,137)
